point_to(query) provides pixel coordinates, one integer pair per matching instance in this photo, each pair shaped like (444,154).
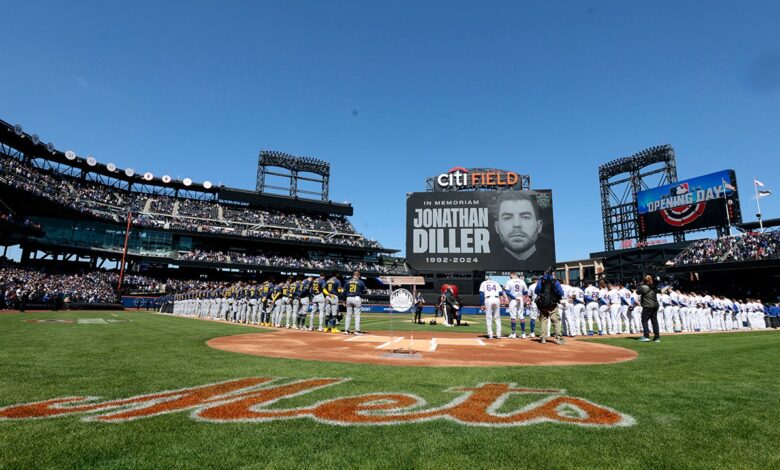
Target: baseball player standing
(253,311)
(625,306)
(353,289)
(489,298)
(578,310)
(601,321)
(592,307)
(332,291)
(294,305)
(515,289)
(532,310)
(614,310)
(318,300)
(304,292)
(266,292)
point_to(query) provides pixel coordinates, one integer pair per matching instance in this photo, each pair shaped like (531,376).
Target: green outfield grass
(699,401)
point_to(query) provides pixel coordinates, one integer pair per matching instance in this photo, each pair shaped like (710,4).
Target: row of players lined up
(615,309)
(285,304)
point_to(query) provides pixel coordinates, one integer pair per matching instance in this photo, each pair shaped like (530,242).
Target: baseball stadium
(158,321)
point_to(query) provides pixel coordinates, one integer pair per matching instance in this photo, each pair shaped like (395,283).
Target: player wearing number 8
(353,289)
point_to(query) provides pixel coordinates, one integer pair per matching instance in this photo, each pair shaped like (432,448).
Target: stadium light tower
(292,167)
(620,182)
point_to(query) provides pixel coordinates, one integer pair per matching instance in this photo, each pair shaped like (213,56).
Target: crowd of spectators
(10,219)
(311,262)
(105,202)
(31,286)
(747,247)
(161,205)
(199,209)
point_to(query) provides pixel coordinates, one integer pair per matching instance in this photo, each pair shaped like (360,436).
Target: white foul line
(383,345)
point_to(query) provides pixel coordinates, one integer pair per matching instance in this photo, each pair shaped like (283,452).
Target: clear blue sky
(392,92)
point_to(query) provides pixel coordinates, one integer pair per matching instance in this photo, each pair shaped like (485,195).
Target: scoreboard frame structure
(621,180)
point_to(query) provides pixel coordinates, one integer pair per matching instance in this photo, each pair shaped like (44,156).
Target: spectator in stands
(747,247)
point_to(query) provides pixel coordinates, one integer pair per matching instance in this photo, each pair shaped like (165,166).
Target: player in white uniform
(707,307)
(682,299)
(625,306)
(564,308)
(636,313)
(665,312)
(578,310)
(614,310)
(602,321)
(592,307)
(490,293)
(515,289)
(532,310)
(728,316)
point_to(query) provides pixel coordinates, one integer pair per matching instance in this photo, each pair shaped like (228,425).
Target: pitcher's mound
(433,349)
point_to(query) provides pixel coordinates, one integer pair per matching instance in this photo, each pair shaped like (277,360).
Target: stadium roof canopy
(753,226)
(31,145)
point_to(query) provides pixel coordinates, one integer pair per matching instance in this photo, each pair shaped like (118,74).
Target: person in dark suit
(451,307)
(648,300)
(419,301)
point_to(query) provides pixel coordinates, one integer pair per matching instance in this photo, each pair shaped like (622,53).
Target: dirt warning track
(433,349)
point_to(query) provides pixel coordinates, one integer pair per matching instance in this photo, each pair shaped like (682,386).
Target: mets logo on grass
(253,399)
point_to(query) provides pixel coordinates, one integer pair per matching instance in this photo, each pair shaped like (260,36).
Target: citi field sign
(459,177)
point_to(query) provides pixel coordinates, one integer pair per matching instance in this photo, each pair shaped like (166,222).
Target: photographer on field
(648,300)
(548,294)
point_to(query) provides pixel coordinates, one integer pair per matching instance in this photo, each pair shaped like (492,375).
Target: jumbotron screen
(502,230)
(693,204)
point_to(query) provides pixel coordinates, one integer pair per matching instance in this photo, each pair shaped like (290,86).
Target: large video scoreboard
(699,203)
(502,230)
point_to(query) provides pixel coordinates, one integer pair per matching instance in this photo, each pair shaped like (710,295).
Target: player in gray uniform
(293,303)
(254,313)
(304,292)
(353,289)
(280,303)
(332,291)
(243,304)
(318,302)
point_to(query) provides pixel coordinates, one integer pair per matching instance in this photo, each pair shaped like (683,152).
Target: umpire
(648,300)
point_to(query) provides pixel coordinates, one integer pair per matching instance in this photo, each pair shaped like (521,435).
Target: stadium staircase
(175,211)
(220,214)
(147,206)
